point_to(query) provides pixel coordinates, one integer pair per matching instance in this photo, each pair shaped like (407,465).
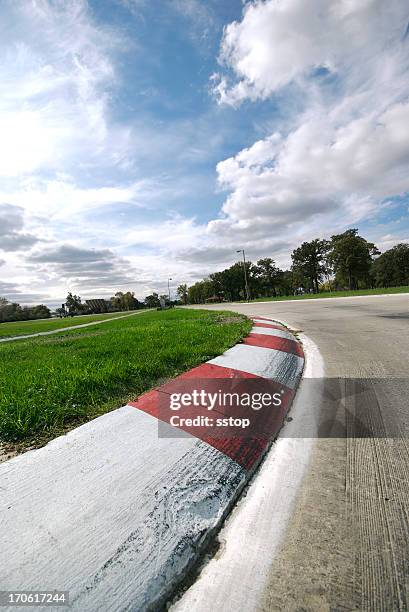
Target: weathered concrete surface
(268,363)
(347,543)
(111,512)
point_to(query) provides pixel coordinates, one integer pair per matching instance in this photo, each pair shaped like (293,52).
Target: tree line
(74,305)
(11,311)
(346,261)
(118,302)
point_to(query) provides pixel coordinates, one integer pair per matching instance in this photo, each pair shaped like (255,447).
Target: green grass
(334,294)
(23,328)
(51,382)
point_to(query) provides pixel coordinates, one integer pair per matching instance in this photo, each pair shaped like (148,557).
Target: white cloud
(279,41)
(55,77)
(348,149)
(335,149)
(61,198)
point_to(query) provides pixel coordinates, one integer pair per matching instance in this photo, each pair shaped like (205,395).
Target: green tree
(391,269)
(15,312)
(201,291)
(351,257)
(117,300)
(129,300)
(266,276)
(152,301)
(40,312)
(73,303)
(229,283)
(310,260)
(182,292)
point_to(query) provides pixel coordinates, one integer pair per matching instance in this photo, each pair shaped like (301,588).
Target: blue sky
(143,139)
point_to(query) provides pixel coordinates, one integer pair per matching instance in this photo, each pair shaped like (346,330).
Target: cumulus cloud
(277,42)
(333,75)
(55,77)
(348,150)
(60,197)
(14,293)
(85,269)
(12,238)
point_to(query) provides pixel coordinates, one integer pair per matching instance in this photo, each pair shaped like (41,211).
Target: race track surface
(347,542)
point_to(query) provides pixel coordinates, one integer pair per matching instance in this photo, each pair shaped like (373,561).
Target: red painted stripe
(272,326)
(148,402)
(244,449)
(208,370)
(274,342)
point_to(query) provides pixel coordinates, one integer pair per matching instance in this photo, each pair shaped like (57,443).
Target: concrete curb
(119,510)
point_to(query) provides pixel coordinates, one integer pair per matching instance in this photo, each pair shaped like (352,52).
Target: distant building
(98,305)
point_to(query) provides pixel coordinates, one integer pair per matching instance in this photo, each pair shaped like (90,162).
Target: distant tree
(201,291)
(229,283)
(267,276)
(182,292)
(310,259)
(15,312)
(391,269)
(117,300)
(351,257)
(152,301)
(73,303)
(288,282)
(40,312)
(129,301)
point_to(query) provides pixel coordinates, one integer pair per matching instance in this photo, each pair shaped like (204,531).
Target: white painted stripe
(111,512)
(269,331)
(266,321)
(283,367)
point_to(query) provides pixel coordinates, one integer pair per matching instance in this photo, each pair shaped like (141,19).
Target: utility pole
(169,279)
(246,285)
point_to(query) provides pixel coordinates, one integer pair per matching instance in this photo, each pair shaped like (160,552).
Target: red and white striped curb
(118,510)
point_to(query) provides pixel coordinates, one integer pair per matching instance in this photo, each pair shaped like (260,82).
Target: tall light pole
(169,279)
(245,274)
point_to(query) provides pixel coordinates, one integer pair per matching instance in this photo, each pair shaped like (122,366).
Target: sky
(142,140)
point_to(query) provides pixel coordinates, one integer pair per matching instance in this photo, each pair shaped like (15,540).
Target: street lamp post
(246,286)
(169,279)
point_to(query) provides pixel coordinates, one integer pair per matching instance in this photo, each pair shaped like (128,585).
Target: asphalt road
(347,541)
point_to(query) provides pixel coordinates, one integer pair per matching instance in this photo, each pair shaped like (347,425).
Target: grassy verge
(51,382)
(334,294)
(23,328)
